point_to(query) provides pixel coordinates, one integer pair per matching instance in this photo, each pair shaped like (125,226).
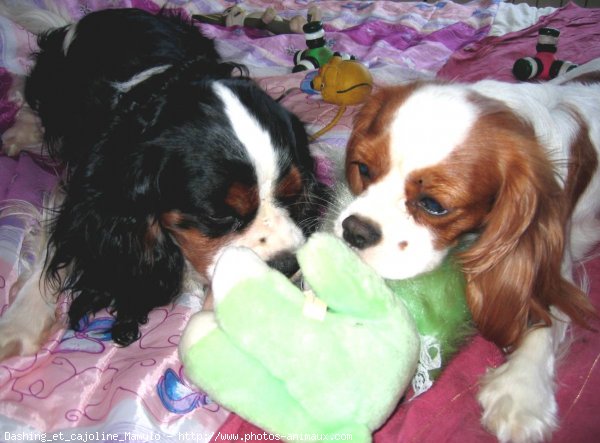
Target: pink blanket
(493,57)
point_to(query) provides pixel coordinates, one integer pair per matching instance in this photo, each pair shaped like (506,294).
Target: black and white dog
(171,155)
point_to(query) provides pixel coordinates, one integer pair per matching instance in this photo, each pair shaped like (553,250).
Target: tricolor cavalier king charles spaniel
(511,168)
(171,156)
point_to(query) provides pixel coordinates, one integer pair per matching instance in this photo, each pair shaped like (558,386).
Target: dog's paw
(17,341)
(24,135)
(518,404)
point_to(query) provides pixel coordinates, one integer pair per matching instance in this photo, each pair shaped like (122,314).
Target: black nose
(360,232)
(285,262)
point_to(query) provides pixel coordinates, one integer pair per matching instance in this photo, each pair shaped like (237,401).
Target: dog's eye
(432,206)
(224,223)
(290,186)
(359,176)
(363,170)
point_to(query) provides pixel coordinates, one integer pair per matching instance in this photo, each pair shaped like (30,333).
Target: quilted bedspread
(82,387)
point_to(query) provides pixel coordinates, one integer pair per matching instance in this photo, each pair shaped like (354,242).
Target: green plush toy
(330,361)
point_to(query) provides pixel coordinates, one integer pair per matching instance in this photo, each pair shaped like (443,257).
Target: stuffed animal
(317,52)
(544,65)
(329,361)
(341,81)
(267,19)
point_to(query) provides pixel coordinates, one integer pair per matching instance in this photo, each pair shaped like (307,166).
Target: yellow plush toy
(343,83)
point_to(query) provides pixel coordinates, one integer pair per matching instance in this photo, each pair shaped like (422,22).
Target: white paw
(518,403)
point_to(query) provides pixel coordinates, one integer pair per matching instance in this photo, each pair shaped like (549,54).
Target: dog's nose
(360,232)
(285,262)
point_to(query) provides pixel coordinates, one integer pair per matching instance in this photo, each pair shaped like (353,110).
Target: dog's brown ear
(514,269)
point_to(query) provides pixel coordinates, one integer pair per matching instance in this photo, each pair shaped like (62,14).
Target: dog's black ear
(118,255)
(124,264)
(137,269)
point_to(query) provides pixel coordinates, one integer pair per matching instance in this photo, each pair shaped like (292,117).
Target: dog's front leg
(518,398)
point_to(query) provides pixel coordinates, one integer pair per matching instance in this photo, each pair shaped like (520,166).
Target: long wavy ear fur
(514,269)
(118,258)
(108,234)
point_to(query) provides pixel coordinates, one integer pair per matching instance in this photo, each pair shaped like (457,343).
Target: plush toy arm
(233,267)
(358,291)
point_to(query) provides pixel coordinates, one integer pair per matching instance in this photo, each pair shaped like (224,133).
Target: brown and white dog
(515,166)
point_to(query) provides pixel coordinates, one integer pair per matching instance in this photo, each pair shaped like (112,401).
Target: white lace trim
(430,359)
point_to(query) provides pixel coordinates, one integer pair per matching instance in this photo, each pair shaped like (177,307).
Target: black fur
(163,146)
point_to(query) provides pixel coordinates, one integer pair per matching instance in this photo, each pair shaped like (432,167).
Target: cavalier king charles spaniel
(510,169)
(171,156)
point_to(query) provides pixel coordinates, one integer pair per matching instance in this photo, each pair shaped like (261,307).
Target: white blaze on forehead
(429,125)
(255,139)
(272,229)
